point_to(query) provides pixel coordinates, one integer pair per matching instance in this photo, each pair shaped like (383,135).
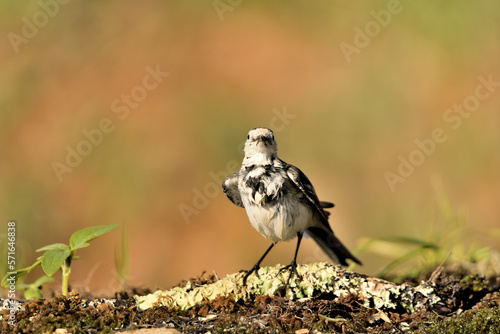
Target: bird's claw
(255,270)
(292,268)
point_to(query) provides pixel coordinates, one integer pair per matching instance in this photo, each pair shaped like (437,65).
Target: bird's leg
(292,267)
(257,265)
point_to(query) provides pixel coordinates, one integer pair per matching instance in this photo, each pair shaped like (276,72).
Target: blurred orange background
(156,99)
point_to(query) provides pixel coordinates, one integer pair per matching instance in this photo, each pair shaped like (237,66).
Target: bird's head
(260,146)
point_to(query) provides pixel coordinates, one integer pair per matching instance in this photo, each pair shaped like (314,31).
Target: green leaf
(53,259)
(53,246)
(32,293)
(81,238)
(19,273)
(42,280)
(23,286)
(409,241)
(80,245)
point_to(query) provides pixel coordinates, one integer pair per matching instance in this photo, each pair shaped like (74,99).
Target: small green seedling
(32,291)
(122,261)
(59,256)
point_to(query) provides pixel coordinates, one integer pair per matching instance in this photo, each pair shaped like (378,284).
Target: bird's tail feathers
(331,245)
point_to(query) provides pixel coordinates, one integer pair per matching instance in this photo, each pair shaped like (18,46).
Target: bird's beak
(264,140)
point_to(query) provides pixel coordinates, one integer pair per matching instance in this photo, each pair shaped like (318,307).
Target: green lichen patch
(314,280)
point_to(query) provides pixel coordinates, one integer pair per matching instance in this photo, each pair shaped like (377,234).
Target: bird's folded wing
(230,188)
(302,182)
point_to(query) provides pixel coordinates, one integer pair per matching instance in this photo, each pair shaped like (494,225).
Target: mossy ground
(485,320)
(470,304)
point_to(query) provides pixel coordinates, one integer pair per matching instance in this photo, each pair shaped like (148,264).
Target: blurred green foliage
(447,244)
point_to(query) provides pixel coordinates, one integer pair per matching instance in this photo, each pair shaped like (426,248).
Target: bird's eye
(248,136)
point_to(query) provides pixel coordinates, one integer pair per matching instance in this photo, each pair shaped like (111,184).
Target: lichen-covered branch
(315,279)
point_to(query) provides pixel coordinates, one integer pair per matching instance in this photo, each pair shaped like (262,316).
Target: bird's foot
(292,268)
(249,272)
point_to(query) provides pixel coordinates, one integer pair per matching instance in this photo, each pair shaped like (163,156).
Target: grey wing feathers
(323,235)
(303,183)
(230,188)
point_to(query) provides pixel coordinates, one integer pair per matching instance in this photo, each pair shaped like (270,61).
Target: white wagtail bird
(280,201)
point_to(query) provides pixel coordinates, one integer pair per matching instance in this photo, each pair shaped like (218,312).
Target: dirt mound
(469,303)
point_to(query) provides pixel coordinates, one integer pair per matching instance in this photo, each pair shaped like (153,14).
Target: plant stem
(66,270)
